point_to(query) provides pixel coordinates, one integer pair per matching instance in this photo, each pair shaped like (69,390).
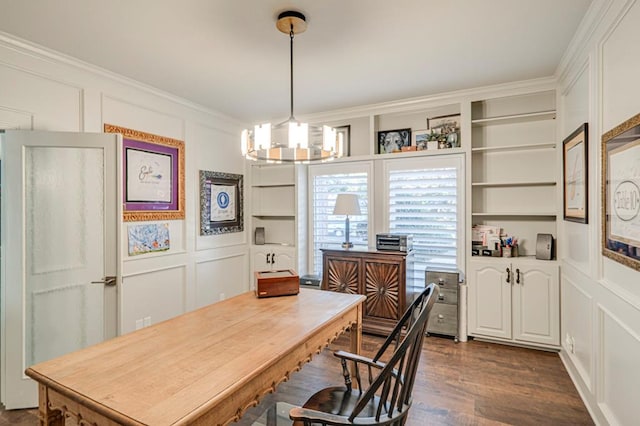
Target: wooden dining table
(205,367)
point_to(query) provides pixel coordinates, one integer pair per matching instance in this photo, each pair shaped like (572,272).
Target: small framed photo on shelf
(344,133)
(574,170)
(621,193)
(393,140)
(447,129)
(419,139)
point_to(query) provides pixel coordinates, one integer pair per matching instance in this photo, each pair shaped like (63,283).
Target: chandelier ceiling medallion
(292,140)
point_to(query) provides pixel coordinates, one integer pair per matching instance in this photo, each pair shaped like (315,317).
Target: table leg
(356,339)
(47,416)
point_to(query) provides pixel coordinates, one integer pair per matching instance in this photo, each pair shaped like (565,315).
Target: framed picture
(393,140)
(153,175)
(221,203)
(575,187)
(621,193)
(447,129)
(420,139)
(344,132)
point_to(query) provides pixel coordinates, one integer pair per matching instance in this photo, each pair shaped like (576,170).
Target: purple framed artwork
(152,175)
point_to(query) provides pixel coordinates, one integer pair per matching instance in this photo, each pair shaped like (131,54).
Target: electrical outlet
(222,296)
(146,321)
(139,324)
(573,345)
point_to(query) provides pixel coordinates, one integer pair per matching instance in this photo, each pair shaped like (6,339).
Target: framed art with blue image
(221,203)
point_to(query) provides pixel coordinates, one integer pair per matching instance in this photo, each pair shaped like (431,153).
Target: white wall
(600,297)
(40,89)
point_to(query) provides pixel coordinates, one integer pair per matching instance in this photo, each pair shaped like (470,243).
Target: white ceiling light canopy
(292,140)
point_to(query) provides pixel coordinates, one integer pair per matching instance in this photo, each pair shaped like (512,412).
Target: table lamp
(347,204)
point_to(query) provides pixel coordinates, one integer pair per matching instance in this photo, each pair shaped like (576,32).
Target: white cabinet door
(268,258)
(283,259)
(536,304)
(489,301)
(261,260)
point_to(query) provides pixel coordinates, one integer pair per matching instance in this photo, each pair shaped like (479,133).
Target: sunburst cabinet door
(343,276)
(382,288)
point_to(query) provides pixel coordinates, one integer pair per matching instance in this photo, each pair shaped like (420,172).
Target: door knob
(108,280)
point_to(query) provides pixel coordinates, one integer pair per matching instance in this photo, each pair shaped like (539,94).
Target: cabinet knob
(343,287)
(441,297)
(440,317)
(441,281)
(508,275)
(381,291)
(273,258)
(517,275)
(268,258)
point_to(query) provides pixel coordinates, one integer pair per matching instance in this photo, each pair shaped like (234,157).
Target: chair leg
(345,373)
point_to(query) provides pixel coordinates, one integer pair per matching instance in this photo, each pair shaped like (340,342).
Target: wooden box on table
(276,283)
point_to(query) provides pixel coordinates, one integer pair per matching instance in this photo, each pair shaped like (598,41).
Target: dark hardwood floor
(473,383)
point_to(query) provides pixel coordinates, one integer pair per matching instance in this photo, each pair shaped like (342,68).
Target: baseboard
(593,412)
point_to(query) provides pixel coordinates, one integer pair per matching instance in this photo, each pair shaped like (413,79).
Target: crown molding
(436,100)
(37,51)
(572,56)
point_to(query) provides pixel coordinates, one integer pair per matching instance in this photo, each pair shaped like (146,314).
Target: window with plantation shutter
(424,198)
(326,182)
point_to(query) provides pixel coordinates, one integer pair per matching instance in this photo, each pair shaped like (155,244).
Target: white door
(489,299)
(59,241)
(536,306)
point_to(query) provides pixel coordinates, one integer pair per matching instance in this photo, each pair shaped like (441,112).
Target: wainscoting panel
(154,296)
(619,393)
(220,278)
(16,120)
(53,105)
(577,328)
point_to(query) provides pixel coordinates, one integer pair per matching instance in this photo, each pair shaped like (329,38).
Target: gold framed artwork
(621,193)
(153,175)
(575,189)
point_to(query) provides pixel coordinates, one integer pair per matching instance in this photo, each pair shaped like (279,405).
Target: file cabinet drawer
(448,296)
(444,280)
(443,319)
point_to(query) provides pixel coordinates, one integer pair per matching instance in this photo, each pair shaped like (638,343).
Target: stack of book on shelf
(489,240)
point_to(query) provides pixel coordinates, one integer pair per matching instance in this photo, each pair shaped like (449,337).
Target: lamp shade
(347,204)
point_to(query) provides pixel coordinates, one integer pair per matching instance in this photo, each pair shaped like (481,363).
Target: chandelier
(292,140)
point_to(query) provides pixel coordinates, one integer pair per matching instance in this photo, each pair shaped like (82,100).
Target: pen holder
(510,251)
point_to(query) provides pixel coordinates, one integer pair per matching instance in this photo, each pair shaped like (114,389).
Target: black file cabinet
(444,316)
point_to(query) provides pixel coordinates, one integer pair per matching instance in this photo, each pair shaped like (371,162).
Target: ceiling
(227,55)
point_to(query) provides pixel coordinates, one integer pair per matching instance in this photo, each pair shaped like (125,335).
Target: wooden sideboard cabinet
(379,275)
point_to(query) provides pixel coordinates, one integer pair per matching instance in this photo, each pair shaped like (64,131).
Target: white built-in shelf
(274,185)
(506,148)
(511,183)
(516,214)
(274,215)
(523,258)
(515,118)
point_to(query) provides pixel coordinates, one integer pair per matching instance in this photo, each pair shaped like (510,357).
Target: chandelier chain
(291,33)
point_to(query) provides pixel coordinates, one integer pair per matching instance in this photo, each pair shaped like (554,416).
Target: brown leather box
(276,283)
